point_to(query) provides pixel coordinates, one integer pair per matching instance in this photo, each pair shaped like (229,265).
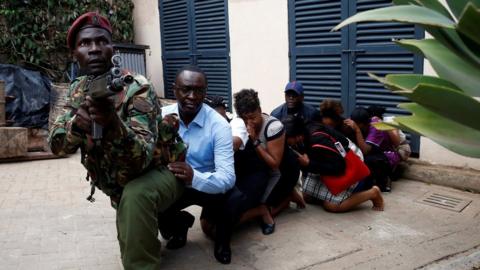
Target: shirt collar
(199,119)
(201,116)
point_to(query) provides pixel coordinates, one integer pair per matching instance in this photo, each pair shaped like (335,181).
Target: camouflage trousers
(137,225)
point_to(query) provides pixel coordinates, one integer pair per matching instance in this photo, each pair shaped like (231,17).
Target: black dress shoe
(223,254)
(177,241)
(179,238)
(268,228)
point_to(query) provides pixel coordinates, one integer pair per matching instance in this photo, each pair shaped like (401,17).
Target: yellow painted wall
(147,32)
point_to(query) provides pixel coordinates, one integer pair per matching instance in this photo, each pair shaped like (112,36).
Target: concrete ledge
(456,177)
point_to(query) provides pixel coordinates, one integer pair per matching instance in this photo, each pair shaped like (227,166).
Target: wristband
(256,143)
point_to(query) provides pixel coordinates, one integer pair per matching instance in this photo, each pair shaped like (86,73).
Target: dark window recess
(133,57)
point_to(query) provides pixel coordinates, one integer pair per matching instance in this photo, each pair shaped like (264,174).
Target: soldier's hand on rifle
(82,119)
(101,110)
(182,171)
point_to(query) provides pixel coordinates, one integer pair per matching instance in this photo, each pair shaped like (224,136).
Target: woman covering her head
(256,164)
(267,137)
(332,116)
(319,161)
(284,191)
(376,111)
(332,112)
(378,146)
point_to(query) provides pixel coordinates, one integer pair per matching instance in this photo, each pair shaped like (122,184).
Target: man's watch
(256,143)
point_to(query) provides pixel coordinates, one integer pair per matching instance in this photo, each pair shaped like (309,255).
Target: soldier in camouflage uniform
(129,163)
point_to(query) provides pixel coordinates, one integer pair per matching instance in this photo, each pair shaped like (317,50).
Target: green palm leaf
(450,134)
(448,65)
(446,102)
(407,14)
(457,6)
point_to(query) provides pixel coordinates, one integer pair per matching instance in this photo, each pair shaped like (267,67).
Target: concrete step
(456,177)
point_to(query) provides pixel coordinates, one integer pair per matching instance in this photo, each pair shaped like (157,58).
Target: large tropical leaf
(468,24)
(437,22)
(437,95)
(446,102)
(457,6)
(454,136)
(431,4)
(451,39)
(404,13)
(448,65)
(410,81)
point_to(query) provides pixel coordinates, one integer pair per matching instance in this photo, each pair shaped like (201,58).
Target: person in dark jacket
(294,105)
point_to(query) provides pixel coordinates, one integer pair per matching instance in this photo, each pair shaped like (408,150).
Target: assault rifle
(107,85)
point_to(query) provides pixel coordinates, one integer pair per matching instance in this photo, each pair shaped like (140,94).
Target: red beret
(89,19)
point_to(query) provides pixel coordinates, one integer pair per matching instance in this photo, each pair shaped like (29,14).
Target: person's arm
(239,134)
(273,153)
(64,136)
(394,137)
(222,178)
(361,142)
(237,143)
(131,142)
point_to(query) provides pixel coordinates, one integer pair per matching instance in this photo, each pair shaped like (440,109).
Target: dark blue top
(307,112)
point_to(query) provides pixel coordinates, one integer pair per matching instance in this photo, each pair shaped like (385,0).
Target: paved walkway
(46,223)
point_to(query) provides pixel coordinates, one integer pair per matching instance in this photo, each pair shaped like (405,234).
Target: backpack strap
(324,147)
(316,133)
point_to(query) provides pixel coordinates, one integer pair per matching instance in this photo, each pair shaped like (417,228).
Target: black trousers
(380,170)
(223,210)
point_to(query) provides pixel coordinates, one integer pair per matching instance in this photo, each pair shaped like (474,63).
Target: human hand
(101,110)
(252,133)
(303,160)
(349,122)
(182,171)
(82,119)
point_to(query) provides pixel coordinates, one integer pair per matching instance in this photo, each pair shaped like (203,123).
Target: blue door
(196,32)
(335,64)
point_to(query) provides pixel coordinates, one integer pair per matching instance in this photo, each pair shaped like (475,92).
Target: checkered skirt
(313,186)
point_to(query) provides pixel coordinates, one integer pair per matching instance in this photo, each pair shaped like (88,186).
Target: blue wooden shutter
(335,64)
(375,52)
(196,32)
(379,55)
(212,45)
(176,45)
(315,52)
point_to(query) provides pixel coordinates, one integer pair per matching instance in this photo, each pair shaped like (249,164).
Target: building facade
(262,44)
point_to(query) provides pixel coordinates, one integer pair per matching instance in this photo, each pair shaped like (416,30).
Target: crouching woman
(318,161)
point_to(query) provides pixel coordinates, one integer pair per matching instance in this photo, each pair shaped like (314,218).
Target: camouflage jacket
(142,141)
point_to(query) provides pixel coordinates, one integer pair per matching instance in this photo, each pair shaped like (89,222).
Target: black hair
(360,115)
(294,126)
(246,101)
(333,109)
(375,110)
(215,102)
(192,68)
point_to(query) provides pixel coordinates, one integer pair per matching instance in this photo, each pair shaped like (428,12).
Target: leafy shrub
(34,31)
